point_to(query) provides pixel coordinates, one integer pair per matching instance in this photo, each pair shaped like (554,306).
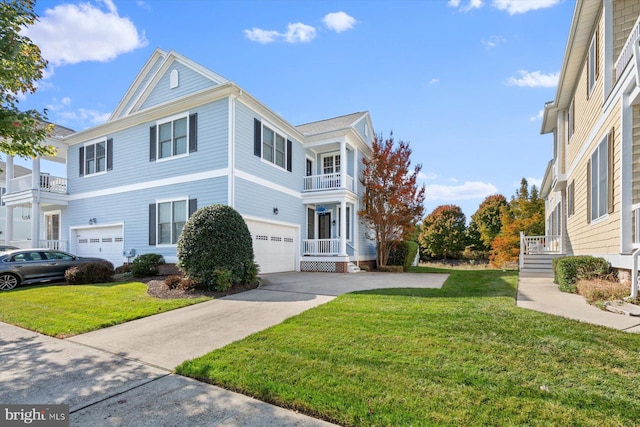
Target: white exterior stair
(538,265)
(352,268)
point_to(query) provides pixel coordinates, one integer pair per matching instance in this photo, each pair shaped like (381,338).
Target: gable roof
(330,125)
(148,77)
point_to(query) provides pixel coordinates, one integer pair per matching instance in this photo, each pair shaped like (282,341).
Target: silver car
(26,266)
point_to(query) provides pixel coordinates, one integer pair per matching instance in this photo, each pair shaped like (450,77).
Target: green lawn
(460,355)
(62,311)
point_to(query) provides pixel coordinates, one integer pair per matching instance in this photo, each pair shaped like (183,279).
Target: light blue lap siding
(132,209)
(250,163)
(142,86)
(360,128)
(189,82)
(131,163)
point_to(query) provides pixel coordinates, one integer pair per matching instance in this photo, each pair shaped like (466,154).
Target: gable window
(173,137)
(598,171)
(593,63)
(96,157)
(272,146)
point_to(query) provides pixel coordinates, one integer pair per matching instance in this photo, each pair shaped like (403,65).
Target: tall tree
(443,232)
(392,201)
(21,66)
(487,218)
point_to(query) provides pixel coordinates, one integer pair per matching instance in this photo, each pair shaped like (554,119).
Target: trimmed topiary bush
(567,270)
(146,265)
(91,272)
(216,238)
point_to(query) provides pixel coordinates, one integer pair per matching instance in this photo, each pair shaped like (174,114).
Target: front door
(324,226)
(52,226)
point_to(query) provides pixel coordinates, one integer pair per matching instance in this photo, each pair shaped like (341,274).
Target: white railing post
(521,250)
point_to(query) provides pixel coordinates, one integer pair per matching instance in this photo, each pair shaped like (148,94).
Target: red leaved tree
(392,202)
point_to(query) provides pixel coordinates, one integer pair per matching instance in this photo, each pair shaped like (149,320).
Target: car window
(27,256)
(59,255)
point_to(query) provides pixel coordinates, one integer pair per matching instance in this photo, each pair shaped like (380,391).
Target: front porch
(537,254)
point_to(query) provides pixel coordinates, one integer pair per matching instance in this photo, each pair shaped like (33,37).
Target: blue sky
(463,81)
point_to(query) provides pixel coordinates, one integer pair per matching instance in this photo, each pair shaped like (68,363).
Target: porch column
(8,229)
(343,228)
(35,223)
(343,164)
(9,172)
(35,174)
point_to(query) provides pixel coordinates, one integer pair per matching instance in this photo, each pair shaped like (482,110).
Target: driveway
(122,375)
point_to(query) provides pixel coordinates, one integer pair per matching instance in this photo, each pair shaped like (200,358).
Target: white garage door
(101,242)
(274,246)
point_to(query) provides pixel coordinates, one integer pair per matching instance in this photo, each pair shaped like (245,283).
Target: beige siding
(625,14)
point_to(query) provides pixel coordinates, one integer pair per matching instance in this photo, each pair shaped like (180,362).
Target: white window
(172,138)
(95,158)
(172,215)
(593,62)
(331,164)
(366,130)
(599,170)
(274,147)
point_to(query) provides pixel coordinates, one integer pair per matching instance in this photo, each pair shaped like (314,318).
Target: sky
(464,82)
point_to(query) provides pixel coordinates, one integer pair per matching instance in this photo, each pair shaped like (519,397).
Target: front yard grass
(63,311)
(460,355)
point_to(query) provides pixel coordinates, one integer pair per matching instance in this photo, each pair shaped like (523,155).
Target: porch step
(352,268)
(534,272)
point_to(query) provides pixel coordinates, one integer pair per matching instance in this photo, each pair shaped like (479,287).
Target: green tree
(21,66)
(486,220)
(443,232)
(392,202)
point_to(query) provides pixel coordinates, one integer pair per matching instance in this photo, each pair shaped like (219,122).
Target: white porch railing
(57,245)
(627,51)
(539,244)
(321,247)
(635,226)
(48,183)
(329,181)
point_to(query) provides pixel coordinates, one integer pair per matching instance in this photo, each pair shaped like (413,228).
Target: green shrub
(569,269)
(403,254)
(223,279)
(146,265)
(216,237)
(91,272)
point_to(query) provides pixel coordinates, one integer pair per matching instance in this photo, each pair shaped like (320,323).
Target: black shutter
(152,143)
(193,206)
(193,132)
(81,161)
(152,224)
(110,154)
(289,154)
(257,137)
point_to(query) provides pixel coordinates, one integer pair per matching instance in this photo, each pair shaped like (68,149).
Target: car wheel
(8,282)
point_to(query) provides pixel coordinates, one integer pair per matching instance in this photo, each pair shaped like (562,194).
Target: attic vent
(173,79)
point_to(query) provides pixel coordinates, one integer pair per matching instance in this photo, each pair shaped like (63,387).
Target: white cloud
(534,79)
(538,116)
(72,33)
(467,191)
(76,119)
(434,81)
(299,33)
(493,41)
(339,21)
(514,7)
(425,176)
(261,36)
(470,5)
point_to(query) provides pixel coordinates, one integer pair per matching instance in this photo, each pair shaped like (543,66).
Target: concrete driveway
(122,375)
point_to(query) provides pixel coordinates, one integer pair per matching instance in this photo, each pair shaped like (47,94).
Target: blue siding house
(183,137)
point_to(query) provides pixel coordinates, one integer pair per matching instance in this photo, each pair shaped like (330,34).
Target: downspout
(634,275)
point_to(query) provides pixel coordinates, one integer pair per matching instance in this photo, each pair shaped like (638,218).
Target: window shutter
(110,154)
(152,143)
(597,58)
(589,191)
(289,154)
(193,206)
(257,137)
(152,224)
(193,132)
(81,161)
(610,172)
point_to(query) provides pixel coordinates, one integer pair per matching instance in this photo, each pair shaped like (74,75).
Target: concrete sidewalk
(541,294)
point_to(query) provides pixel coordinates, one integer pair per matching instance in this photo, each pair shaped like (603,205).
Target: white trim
(84,157)
(331,154)
(157,219)
(231,184)
(276,132)
(269,184)
(174,79)
(51,213)
(172,120)
(218,173)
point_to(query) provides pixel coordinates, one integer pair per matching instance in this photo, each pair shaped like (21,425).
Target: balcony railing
(321,247)
(627,51)
(329,181)
(57,245)
(540,244)
(48,183)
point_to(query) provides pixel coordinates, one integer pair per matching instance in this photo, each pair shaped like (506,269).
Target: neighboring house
(21,224)
(592,186)
(183,137)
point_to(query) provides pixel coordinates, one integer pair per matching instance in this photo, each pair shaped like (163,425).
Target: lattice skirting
(325,266)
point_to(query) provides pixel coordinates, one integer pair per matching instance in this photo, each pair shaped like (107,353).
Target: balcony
(330,181)
(627,51)
(48,183)
(321,247)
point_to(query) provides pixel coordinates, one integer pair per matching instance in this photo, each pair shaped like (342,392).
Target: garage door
(102,242)
(274,246)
